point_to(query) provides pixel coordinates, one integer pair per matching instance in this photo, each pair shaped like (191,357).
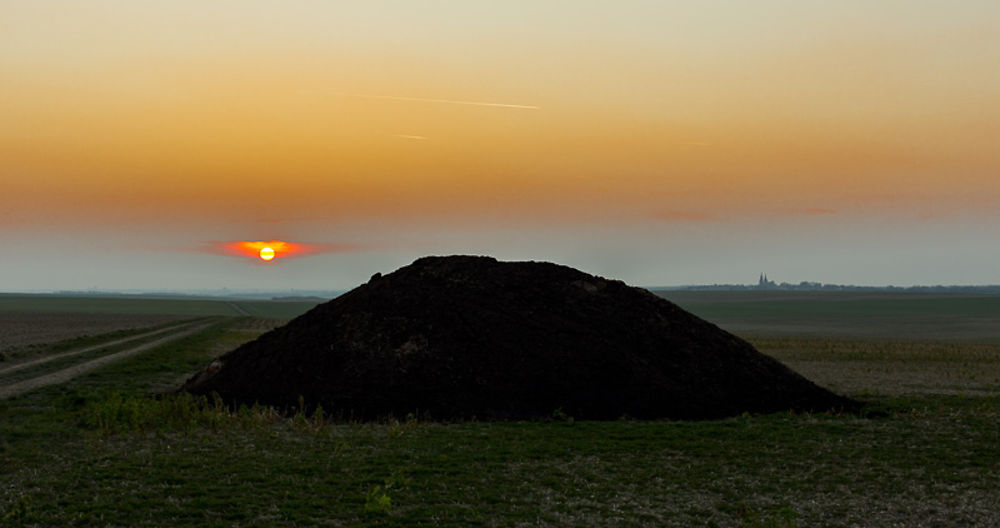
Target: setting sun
(268,250)
(656,142)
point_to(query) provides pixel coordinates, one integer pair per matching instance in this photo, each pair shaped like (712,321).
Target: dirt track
(68,373)
(70,353)
(24,329)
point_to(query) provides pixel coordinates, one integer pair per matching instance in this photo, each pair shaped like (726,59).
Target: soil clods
(465,337)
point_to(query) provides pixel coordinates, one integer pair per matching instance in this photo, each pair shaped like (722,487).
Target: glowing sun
(268,250)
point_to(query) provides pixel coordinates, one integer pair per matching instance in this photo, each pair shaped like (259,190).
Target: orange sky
(621,113)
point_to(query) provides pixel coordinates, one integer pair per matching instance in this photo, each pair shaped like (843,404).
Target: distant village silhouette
(764,284)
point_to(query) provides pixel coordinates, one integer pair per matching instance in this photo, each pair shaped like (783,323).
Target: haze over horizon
(658,143)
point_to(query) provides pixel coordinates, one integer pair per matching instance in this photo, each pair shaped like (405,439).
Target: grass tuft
(188,414)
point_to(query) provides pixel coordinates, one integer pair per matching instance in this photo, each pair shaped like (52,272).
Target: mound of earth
(471,337)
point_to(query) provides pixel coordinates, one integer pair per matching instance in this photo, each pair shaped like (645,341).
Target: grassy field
(101,451)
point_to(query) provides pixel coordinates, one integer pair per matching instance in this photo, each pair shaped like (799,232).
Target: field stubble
(890,368)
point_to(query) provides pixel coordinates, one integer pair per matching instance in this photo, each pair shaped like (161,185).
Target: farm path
(74,352)
(239,309)
(69,373)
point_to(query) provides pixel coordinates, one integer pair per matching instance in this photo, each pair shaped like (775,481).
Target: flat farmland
(109,448)
(114,305)
(33,320)
(23,329)
(890,367)
(847,314)
(151,305)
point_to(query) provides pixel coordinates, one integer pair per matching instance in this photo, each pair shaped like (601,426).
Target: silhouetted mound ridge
(470,337)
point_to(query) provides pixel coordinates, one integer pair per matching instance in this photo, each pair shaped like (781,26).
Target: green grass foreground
(101,451)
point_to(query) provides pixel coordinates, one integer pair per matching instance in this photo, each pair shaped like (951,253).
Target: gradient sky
(657,142)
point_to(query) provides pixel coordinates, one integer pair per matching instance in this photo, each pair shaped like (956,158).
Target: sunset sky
(658,142)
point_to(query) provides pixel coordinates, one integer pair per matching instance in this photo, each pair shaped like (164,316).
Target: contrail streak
(445,101)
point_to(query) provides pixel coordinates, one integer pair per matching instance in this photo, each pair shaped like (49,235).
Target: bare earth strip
(46,359)
(71,372)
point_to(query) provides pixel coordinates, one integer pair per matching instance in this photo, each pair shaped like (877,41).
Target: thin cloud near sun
(696,216)
(682,216)
(808,211)
(440,101)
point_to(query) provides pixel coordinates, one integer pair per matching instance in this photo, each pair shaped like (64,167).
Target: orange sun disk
(265,250)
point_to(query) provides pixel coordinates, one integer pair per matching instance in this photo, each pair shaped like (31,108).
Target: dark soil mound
(463,337)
